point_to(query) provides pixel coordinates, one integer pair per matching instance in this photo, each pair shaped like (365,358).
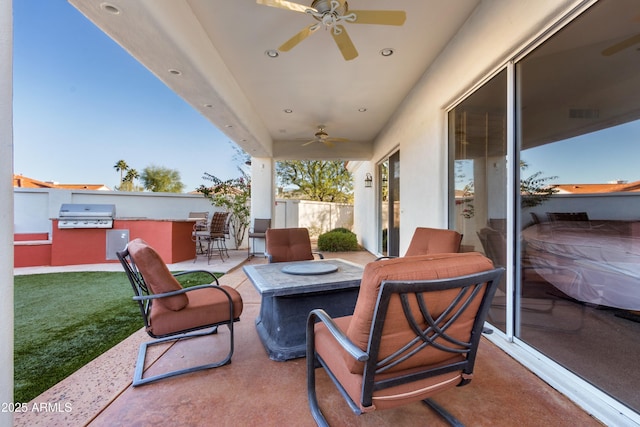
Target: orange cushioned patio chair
(289,244)
(414,332)
(171,312)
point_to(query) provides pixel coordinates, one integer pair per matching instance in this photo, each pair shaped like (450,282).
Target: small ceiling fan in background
(323,137)
(624,44)
(331,14)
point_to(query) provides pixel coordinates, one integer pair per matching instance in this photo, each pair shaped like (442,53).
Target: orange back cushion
(396,329)
(156,274)
(288,244)
(433,241)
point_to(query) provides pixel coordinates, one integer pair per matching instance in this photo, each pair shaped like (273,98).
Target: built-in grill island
(77,215)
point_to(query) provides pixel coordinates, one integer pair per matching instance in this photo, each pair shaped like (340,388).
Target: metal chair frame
(218,232)
(145,299)
(470,287)
(201,225)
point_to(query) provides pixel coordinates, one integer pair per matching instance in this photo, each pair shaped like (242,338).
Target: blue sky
(594,158)
(81,103)
(598,157)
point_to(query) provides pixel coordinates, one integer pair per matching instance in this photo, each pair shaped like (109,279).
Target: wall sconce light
(368,180)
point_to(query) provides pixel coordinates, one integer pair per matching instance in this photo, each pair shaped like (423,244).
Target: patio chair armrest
(385,257)
(355,351)
(319,255)
(182,273)
(178,292)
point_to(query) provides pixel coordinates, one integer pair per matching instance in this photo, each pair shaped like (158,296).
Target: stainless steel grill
(86,216)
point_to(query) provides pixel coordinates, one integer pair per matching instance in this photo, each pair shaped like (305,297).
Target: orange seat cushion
(156,274)
(207,306)
(333,355)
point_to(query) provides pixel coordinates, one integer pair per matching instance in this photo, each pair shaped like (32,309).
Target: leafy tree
(161,179)
(535,189)
(234,195)
(327,181)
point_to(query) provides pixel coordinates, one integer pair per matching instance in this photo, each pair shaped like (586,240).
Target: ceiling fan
(323,137)
(624,44)
(331,14)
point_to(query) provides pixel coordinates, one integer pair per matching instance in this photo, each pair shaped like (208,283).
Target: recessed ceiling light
(362,109)
(288,110)
(272,53)
(175,72)
(110,8)
(386,51)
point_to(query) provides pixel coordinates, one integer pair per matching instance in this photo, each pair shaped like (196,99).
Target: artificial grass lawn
(62,321)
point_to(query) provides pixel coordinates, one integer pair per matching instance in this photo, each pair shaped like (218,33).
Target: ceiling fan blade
(328,143)
(293,41)
(622,45)
(283,4)
(344,43)
(331,139)
(309,142)
(380,17)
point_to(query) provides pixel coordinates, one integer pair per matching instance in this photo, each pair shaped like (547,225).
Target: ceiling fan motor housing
(324,6)
(321,134)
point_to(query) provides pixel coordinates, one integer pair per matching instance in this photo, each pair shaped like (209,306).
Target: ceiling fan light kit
(331,14)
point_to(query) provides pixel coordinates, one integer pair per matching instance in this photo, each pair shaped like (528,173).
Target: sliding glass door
(572,244)
(579,145)
(389,205)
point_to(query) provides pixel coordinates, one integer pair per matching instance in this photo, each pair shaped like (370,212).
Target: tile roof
(614,187)
(26,182)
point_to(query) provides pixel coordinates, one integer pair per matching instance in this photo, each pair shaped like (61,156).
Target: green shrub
(341,230)
(338,240)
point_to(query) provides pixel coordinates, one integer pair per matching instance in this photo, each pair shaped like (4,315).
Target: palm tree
(128,179)
(128,182)
(121,167)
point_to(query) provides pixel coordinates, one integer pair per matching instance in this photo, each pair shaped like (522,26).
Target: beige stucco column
(6,209)
(262,191)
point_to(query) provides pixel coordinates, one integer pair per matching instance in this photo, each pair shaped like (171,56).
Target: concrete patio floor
(254,390)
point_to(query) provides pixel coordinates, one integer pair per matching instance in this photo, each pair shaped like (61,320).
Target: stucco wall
(318,217)
(34,208)
(495,32)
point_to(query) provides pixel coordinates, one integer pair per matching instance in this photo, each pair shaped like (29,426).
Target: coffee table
(288,297)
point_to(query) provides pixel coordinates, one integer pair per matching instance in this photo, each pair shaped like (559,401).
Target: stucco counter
(171,238)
